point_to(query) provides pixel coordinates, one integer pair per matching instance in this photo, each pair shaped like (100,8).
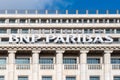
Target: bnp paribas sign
(60,39)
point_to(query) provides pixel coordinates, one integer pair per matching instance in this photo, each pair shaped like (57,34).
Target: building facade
(54,45)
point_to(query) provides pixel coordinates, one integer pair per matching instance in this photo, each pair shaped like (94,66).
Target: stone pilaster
(107,65)
(83,61)
(59,62)
(11,66)
(35,70)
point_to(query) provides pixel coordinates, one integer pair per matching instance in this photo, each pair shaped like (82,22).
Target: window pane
(24,31)
(2,20)
(22,61)
(46,78)
(93,60)
(22,78)
(46,61)
(109,30)
(115,60)
(3,30)
(88,31)
(117,78)
(22,20)
(14,30)
(69,61)
(117,30)
(2,60)
(94,78)
(11,20)
(2,78)
(70,78)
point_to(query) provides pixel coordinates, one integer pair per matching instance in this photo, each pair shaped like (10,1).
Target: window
(2,78)
(94,78)
(2,20)
(111,20)
(109,31)
(77,31)
(4,39)
(93,60)
(22,61)
(70,78)
(68,31)
(2,60)
(35,31)
(46,61)
(47,31)
(88,31)
(24,31)
(115,60)
(99,31)
(14,30)
(46,77)
(33,21)
(43,20)
(57,31)
(11,20)
(69,61)
(22,20)
(22,78)
(116,77)
(117,30)
(3,30)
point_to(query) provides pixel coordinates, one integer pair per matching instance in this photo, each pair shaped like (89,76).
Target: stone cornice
(59,48)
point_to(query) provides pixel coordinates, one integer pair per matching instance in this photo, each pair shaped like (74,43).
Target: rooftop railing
(59,11)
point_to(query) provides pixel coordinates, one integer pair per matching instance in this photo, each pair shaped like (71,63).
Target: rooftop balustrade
(59,11)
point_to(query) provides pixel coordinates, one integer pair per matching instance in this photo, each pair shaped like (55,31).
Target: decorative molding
(60,48)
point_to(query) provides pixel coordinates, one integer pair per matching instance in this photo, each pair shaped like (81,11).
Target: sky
(60,4)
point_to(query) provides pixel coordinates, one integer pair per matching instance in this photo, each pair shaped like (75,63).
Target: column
(59,67)
(107,66)
(11,62)
(35,68)
(83,61)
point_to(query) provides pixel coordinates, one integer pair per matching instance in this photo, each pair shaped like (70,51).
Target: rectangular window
(2,78)
(70,78)
(57,31)
(43,20)
(2,20)
(94,78)
(99,31)
(22,78)
(33,21)
(46,61)
(69,61)
(117,30)
(4,39)
(25,31)
(115,60)
(93,60)
(11,20)
(109,31)
(14,30)
(22,20)
(75,31)
(2,60)
(22,60)
(3,30)
(116,77)
(35,31)
(69,31)
(88,31)
(46,77)
(46,31)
